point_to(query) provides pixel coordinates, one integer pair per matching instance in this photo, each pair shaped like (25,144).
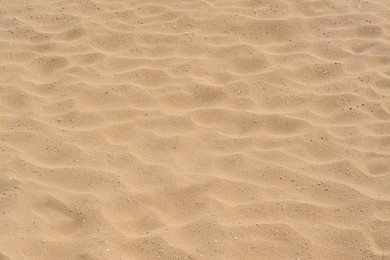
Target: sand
(221,129)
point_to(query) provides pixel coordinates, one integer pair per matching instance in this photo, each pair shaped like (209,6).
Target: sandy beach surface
(202,129)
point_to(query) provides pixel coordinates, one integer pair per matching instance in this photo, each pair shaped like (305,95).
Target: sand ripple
(195,129)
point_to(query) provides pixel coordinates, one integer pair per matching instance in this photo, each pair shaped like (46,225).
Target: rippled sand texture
(195,129)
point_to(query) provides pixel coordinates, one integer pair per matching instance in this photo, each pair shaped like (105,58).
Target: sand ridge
(211,129)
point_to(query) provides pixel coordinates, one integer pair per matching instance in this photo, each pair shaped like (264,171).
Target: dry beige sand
(214,129)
